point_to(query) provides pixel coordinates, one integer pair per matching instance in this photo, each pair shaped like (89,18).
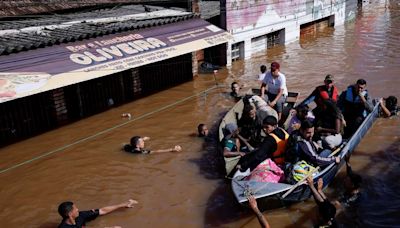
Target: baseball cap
(329,77)
(275,66)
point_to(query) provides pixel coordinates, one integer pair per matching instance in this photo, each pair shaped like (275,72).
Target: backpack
(300,170)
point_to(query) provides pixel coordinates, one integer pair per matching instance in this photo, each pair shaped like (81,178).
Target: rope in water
(108,130)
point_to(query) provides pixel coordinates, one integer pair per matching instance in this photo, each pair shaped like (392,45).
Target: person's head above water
(235,88)
(137,142)
(202,130)
(391,103)
(68,209)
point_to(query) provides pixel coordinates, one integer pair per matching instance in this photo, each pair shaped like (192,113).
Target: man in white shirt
(273,88)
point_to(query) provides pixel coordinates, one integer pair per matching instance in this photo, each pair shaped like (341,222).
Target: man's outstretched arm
(108,209)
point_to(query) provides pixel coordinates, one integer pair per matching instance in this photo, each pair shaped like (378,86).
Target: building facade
(258,25)
(58,69)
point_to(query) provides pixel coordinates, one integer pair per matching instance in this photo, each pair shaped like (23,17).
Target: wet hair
(391,103)
(132,146)
(361,82)
(200,130)
(356,180)
(65,208)
(233,83)
(270,120)
(306,124)
(327,211)
(263,68)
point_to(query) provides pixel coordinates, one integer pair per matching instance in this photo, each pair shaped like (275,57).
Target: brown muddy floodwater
(82,162)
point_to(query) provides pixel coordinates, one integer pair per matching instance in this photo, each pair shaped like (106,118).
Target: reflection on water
(187,189)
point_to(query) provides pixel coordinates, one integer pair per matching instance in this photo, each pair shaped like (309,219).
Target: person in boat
(301,113)
(273,88)
(326,209)
(328,91)
(355,104)
(202,130)
(263,70)
(308,150)
(273,146)
(137,147)
(261,219)
(73,218)
(232,144)
(389,106)
(235,89)
(250,124)
(330,125)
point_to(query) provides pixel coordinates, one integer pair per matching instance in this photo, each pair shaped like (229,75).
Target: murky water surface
(84,163)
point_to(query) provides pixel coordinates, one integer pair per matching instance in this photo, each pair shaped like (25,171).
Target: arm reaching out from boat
(261,219)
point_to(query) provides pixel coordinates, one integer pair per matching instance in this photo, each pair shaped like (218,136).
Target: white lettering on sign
(119,50)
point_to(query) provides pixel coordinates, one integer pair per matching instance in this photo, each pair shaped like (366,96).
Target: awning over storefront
(27,73)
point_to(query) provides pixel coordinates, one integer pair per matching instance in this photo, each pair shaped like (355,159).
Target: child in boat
(137,147)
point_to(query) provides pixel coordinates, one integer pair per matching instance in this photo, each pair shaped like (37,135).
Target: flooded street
(83,162)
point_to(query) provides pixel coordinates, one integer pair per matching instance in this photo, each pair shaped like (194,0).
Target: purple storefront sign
(31,72)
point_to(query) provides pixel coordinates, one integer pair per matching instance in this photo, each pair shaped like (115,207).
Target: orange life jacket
(278,156)
(324,95)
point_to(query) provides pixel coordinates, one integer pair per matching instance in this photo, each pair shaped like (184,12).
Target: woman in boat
(137,147)
(329,125)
